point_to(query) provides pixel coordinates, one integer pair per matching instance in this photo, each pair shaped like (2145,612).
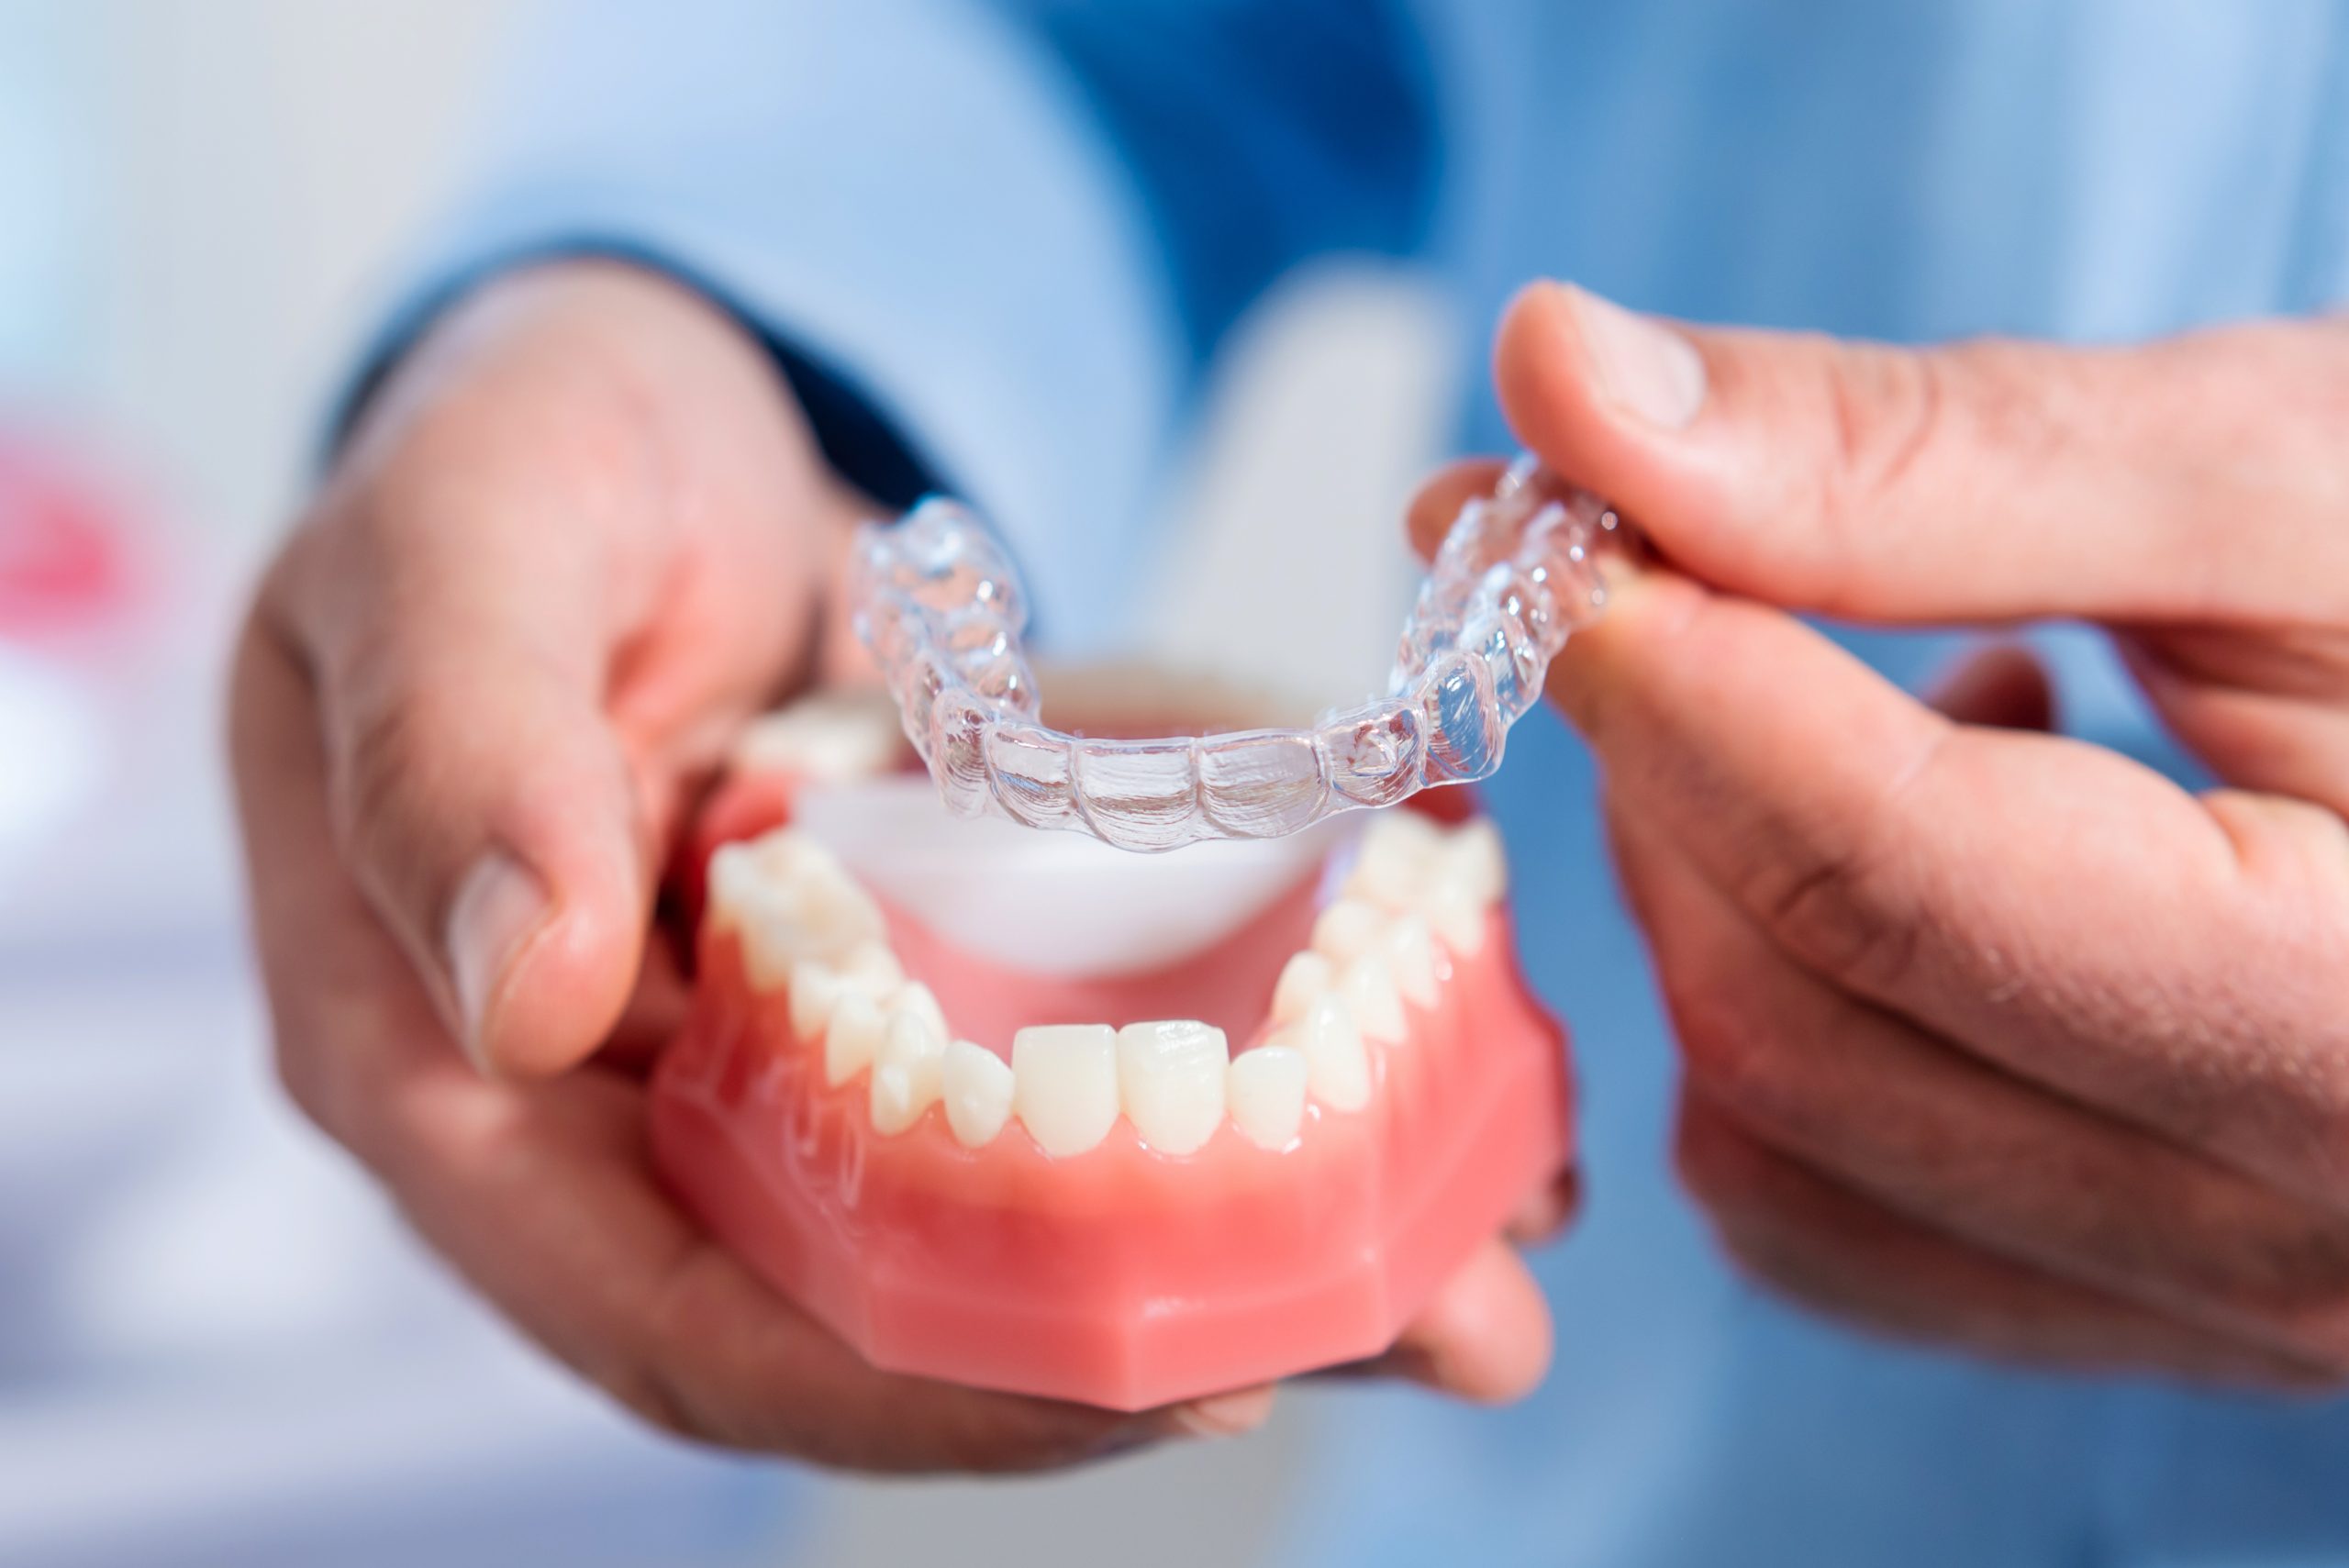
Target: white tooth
(1337,1066)
(814,991)
(1305,979)
(1474,853)
(1267,1088)
(734,879)
(1377,1008)
(813,913)
(1169,1080)
(1409,951)
(1398,849)
(919,999)
(1456,913)
(1348,928)
(978,1085)
(853,1038)
(873,969)
(908,1074)
(831,739)
(1065,1084)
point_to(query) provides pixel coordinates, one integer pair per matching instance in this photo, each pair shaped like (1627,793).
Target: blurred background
(216,1344)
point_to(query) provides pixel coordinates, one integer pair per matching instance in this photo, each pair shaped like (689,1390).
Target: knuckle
(374,774)
(1882,408)
(1830,912)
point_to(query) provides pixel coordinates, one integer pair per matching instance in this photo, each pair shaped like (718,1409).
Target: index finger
(2061,911)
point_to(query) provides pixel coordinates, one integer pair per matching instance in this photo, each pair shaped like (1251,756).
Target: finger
(1546,1214)
(2191,479)
(2052,907)
(543,1194)
(549,563)
(2003,686)
(1832,1251)
(1936,1134)
(1485,1337)
(1438,503)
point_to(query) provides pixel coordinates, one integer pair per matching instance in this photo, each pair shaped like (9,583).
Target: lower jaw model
(1021,1111)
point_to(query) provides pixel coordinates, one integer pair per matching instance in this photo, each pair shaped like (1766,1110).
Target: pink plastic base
(1121,1277)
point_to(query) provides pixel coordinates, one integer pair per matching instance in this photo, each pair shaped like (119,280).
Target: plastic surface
(942,610)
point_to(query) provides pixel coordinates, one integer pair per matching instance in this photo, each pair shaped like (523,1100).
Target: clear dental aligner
(943,609)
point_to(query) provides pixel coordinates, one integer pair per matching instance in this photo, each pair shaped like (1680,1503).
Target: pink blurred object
(66,553)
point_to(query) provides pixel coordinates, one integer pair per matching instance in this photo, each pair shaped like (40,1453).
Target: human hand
(1991,1038)
(574,543)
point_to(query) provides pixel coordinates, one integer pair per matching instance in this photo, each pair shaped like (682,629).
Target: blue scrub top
(998,244)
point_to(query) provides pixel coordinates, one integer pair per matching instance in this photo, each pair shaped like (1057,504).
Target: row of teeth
(1416,894)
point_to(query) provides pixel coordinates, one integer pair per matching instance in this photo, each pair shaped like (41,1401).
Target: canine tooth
(1347,929)
(1267,1088)
(908,1074)
(1305,979)
(1169,1080)
(921,1001)
(976,1084)
(814,990)
(1398,849)
(853,1038)
(1474,853)
(1065,1084)
(1409,951)
(1336,1067)
(1378,1007)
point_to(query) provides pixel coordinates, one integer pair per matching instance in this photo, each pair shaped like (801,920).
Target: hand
(1991,1038)
(576,540)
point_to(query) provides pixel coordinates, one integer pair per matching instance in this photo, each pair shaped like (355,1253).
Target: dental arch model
(1018,1111)
(942,610)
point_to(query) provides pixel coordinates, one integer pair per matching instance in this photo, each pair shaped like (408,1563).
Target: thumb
(1991,480)
(483,801)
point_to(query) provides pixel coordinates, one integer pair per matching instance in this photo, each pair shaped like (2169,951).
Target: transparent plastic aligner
(942,610)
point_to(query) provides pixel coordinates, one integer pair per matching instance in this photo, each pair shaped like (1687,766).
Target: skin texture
(1991,1038)
(576,540)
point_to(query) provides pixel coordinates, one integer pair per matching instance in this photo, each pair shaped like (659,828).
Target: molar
(1065,1086)
(1266,1090)
(787,900)
(1171,1082)
(835,738)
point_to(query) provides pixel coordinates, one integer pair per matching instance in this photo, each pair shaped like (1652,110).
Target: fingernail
(499,907)
(1224,1415)
(1642,366)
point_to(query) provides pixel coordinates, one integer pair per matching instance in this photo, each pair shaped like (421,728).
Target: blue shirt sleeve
(995,242)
